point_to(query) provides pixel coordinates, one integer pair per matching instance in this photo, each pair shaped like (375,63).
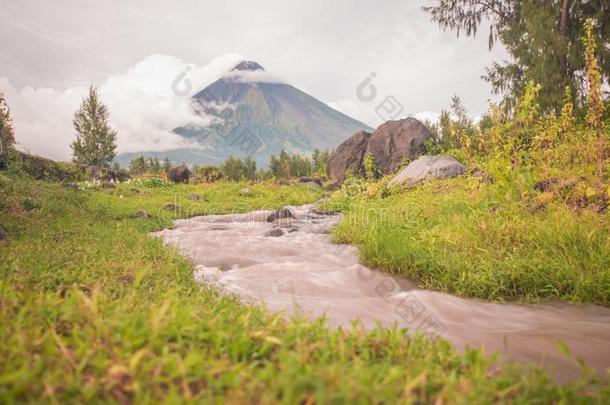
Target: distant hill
(257,116)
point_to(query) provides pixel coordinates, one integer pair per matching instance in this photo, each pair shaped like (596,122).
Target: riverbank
(93,308)
(474,238)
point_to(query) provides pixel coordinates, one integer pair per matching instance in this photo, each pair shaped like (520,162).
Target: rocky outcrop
(389,144)
(179,174)
(426,167)
(348,157)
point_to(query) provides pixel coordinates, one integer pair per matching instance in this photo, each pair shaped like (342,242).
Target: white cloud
(254,76)
(145,103)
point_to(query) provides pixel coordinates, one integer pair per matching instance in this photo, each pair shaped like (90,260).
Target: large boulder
(179,174)
(348,157)
(390,144)
(427,167)
(396,140)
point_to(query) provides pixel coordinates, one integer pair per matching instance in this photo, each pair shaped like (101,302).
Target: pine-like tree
(7,133)
(542,38)
(95,140)
(167,165)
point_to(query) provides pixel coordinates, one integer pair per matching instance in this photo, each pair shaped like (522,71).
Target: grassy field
(92,309)
(475,239)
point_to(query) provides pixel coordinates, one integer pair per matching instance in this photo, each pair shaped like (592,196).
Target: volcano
(256,115)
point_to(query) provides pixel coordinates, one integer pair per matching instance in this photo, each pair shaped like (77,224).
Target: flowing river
(302,271)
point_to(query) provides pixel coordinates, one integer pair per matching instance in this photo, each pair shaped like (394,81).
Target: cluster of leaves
(543,39)
(236,169)
(285,166)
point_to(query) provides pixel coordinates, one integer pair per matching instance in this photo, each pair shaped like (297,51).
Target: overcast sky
(51,51)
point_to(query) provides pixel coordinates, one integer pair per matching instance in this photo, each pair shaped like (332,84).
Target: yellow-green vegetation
(93,309)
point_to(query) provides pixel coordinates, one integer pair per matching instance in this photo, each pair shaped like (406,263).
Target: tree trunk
(565,16)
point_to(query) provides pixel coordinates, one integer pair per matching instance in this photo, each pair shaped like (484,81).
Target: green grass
(478,240)
(92,310)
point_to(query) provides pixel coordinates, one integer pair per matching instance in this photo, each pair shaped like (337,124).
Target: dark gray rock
(275,232)
(179,174)
(141,214)
(279,214)
(348,157)
(170,207)
(426,167)
(108,185)
(193,197)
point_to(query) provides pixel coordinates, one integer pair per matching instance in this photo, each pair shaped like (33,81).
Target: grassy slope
(479,240)
(93,309)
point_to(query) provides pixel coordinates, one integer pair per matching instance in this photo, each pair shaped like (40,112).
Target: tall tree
(542,38)
(138,165)
(7,133)
(95,140)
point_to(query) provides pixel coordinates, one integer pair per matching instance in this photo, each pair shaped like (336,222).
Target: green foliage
(479,240)
(138,165)
(285,166)
(542,38)
(7,133)
(370,168)
(95,140)
(595,104)
(319,161)
(167,165)
(154,183)
(207,174)
(235,169)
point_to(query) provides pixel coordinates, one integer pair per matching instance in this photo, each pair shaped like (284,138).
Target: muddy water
(302,271)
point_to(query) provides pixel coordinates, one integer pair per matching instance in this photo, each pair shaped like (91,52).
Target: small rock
(291,230)
(275,232)
(108,185)
(135,190)
(141,214)
(281,213)
(170,207)
(193,197)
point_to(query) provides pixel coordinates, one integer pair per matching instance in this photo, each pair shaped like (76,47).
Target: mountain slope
(255,115)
